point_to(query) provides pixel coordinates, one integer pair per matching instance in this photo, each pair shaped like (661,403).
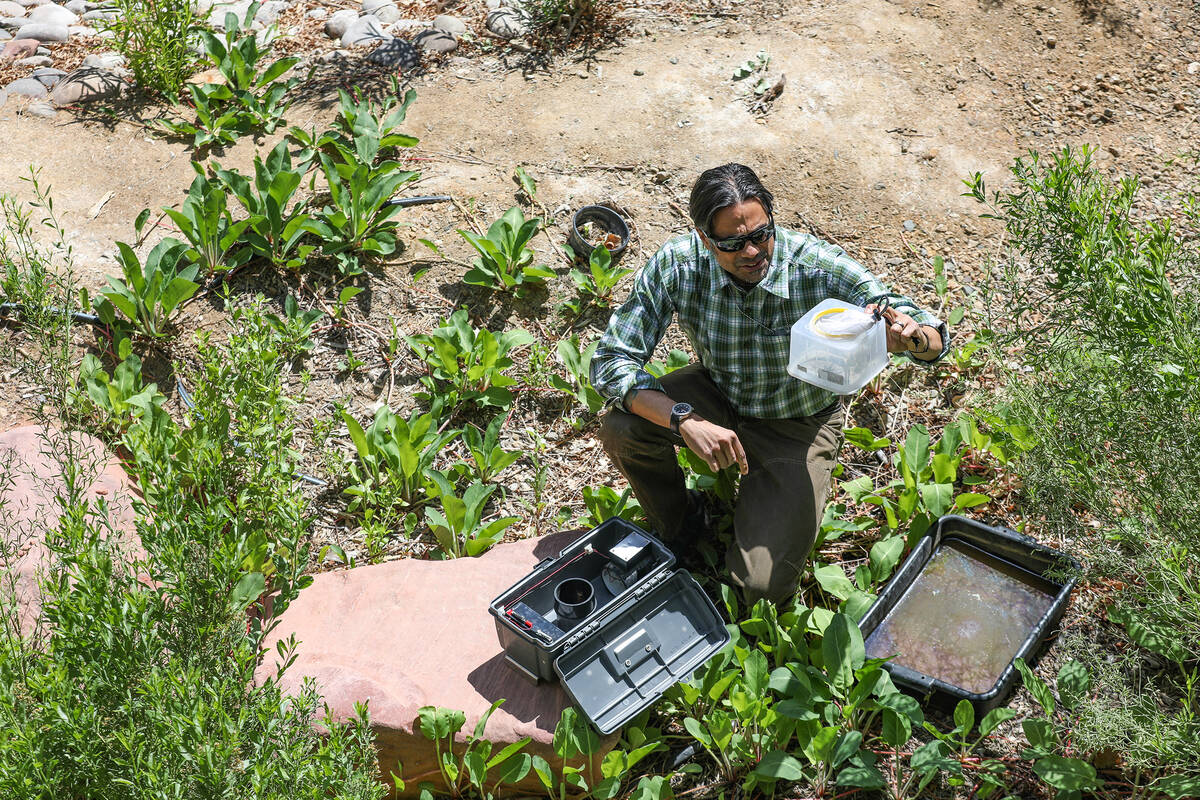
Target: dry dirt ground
(886,107)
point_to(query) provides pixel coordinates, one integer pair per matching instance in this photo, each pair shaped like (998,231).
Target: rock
(451,25)
(32,3)
(3,97)
(336,25)
(320,12)
(48,76)
(13,23)
(86,84)
(43,32)
(52,14)
(387,13)
(369,6)
(4,35)
(80,30)
(351,625)
(8,8)
(365,30)
(1193,67)
(506,23)
(216,17)
(269,12)
(99,15)
(396,54)
(76,6)
(32,479)
(40,108)
(909,225)
(435,41)
(1051,42)
(34,61)
(208,76)
(18,48)
(27,87)
(107,60)
(402,25)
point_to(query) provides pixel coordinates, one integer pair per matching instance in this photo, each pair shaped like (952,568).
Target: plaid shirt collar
(775,281)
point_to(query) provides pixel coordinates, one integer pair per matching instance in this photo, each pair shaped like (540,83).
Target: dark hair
(724,186)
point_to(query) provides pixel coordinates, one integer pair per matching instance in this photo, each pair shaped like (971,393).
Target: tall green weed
(1101,310)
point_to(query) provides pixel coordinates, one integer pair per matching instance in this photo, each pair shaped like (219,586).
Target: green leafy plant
(119,400)
(603,502)
(276,224)
(468,361)
(248,100)
(294,327)
(467,774)
(488,457)
(505,262)
(149,294)
(155,39)
(203,219)
(395,458)
(576,744)
(1068,775)
(579,364)
(458,525)
(595,286)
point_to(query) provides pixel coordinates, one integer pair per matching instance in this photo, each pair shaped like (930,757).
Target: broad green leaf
(970,500)
(247,590)
(937,497)
(778,765)
(843,651)
(885,554)
(897,729)
(864,439)
(1036,686)
(1074,683)
(1178,787)
(848,744)
(994,719)
(1066,773)
(834,581)
(964,717)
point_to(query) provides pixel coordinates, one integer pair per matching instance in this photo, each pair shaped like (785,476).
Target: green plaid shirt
(742,336)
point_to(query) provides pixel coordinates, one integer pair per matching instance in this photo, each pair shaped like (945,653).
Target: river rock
(387,13)
(451,25)
(396,54)
(32,478)
(435,41)
(43,32)
(413,633)
(8,8)
(18,48)
(48,76)
(34,61)
(269,12)
(506,23)
(4,35)
(216,16)
(13,23)
(27,87)
(320,12)
(369,6)
(107,60)
(85,84)
(53,15)
(40,108)
(336,25)
(99,15)
(77,6)
(33,3)
(365,30)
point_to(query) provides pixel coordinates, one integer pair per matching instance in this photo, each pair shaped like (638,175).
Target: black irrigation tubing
(77,316)
(186,398)
(404,202)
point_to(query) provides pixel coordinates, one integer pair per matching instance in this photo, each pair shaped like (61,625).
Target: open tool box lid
(650,627)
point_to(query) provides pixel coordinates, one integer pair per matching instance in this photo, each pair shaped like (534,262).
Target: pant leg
(645,452)
(782,500)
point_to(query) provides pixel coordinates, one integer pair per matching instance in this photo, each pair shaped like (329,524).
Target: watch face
(679,409)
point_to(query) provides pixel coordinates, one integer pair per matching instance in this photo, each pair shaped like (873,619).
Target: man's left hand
(903,332)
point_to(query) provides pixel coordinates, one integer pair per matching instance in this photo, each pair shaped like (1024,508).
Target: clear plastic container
(838,347)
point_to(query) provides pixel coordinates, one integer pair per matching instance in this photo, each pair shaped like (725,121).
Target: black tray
(1056,570)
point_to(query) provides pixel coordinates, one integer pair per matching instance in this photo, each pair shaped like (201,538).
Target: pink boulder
(19,48)
(412,633)
(31,477)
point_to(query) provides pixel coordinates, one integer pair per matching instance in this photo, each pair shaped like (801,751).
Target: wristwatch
(679,412)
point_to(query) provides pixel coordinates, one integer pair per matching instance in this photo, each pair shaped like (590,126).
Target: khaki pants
(780,501)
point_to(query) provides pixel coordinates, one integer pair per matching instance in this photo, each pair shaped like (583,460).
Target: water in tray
(964,618)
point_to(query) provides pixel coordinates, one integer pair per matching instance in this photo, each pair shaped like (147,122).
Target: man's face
(750,263)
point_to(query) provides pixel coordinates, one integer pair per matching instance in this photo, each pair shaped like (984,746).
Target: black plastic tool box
(1045,570)
(612,620)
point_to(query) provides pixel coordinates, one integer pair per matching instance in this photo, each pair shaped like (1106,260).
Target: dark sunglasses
(734,244)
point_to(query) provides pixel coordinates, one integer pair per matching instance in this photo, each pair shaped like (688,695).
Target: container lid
(622,663)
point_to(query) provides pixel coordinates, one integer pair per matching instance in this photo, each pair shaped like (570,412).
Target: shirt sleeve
(633,332)
(854,283)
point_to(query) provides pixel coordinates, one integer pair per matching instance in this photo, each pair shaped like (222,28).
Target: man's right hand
(719,447)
